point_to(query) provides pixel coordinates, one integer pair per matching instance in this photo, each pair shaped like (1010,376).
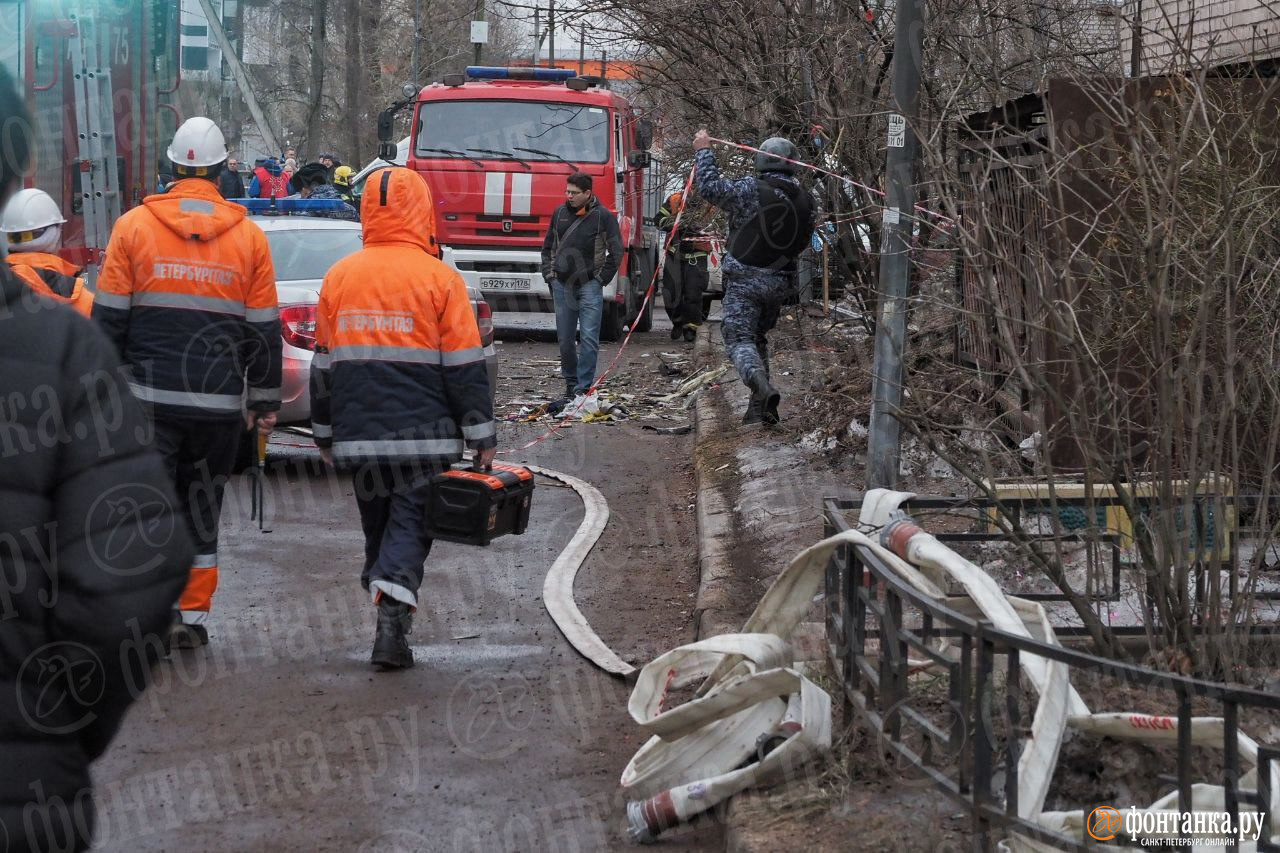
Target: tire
(644,322)
(611,322)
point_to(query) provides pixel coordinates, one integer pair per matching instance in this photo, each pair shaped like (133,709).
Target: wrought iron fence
(876,622)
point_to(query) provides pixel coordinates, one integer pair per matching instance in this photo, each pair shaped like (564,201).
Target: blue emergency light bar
(284,206)
(546,75)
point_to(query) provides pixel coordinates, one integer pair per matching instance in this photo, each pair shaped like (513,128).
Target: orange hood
(43,260)
(195,210)
(397,208)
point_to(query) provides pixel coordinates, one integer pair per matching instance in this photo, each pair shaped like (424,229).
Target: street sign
(897,131)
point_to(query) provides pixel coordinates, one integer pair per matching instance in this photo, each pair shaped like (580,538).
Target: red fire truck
(100,78)
(496,146)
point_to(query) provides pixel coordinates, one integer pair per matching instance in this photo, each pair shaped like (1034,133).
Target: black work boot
(753,415)
(765,396)
(677,331)
(390,648)
(184,636)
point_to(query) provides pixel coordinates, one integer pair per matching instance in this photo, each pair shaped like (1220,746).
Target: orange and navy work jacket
(187,293)
(54,278)
(399,371)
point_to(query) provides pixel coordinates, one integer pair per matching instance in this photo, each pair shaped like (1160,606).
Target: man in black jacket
(92,552)
(580,255)
(230,183)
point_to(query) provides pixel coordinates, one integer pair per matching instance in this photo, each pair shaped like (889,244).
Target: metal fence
(876,622)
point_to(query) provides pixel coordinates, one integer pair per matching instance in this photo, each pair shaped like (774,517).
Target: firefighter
(684,274)
(770,223)
(398,386)
(342,183)
(32,223)
(188,295)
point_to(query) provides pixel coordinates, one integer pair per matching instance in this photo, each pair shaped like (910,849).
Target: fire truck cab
(496,148)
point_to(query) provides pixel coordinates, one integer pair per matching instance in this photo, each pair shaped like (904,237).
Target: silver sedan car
(303,248)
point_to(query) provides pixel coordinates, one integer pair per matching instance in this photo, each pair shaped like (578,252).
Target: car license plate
(505,284)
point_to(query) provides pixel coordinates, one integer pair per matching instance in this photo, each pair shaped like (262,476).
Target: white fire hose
(1059,704)
(713,746)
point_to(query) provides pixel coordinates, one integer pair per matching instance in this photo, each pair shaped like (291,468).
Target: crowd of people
(281,177)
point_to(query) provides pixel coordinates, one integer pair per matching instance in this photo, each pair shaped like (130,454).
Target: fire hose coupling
(647,820)
(769,741)
(898,532)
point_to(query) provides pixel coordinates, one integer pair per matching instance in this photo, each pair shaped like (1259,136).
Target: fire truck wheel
(644,322)
(611,322)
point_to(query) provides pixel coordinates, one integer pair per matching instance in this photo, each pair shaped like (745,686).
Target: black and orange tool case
(476,507)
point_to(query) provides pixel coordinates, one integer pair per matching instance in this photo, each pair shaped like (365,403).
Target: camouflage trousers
(750,309)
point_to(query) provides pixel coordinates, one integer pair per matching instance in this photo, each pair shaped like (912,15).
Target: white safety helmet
(198,143)
(30,221)
(30,210)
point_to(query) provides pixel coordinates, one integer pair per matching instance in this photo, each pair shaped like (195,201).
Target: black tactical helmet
(781,147)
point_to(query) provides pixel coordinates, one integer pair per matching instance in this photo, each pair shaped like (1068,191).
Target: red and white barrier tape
(941,217)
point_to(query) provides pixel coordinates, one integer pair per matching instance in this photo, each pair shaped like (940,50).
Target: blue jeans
(578,309)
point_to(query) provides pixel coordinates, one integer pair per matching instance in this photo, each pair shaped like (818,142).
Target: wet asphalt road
(280,736)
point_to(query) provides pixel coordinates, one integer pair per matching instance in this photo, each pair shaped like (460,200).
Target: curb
(714,514)
(716,525)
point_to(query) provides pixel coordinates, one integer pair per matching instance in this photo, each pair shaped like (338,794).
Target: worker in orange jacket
(398,387)
(188,294)
(32,224)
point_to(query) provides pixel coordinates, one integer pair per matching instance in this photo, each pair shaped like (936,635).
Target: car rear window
(308,253)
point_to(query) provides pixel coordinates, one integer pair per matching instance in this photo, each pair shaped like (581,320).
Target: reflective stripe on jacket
(399,373)
(188,294)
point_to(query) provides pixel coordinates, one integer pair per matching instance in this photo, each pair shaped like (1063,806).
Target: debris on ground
(659,399)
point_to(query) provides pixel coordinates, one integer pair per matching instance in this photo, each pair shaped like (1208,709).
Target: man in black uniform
(770,222)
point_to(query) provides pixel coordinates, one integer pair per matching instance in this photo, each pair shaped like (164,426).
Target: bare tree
(1120,250)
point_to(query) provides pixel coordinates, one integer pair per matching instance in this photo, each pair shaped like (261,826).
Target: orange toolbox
(475,507)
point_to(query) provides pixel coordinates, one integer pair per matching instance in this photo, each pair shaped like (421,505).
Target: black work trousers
(199,455)
(684,280)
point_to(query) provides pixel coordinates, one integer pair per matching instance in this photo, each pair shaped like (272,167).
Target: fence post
(982,739)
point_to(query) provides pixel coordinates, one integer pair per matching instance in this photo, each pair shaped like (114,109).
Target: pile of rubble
(660,399)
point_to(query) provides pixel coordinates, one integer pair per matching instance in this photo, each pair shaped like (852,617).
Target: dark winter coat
(582,245)
(230,184)
(93,556)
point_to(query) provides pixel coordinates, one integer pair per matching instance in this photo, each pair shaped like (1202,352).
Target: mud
(280,736)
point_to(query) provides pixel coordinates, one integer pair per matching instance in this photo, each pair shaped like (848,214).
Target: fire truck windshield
(540,130)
